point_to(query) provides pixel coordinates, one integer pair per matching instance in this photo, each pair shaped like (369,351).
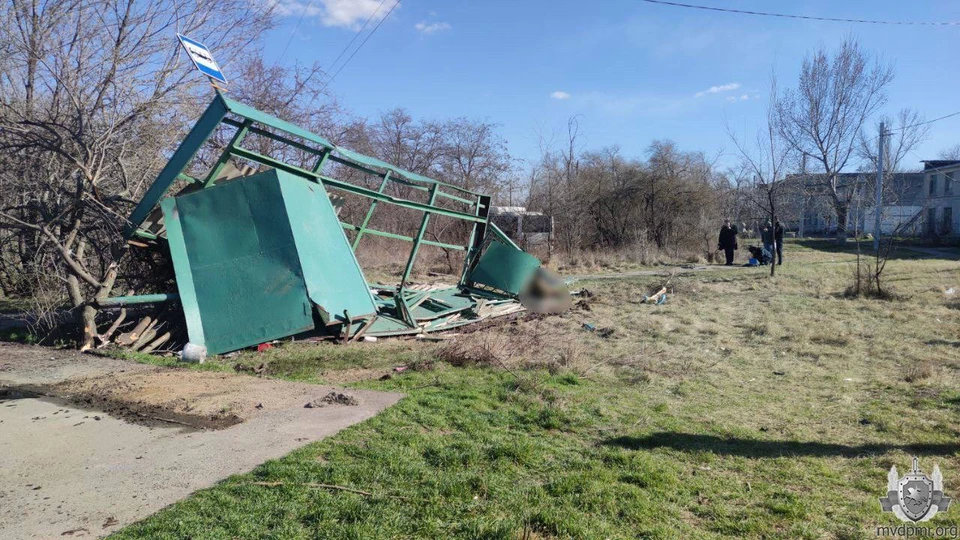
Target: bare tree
(952,152)
(764,164)
(824,115)
(904,134)
(91,92)
(475,157)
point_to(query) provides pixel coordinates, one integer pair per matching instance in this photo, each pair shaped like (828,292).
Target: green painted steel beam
(357,157)
(503,237)
(279,138)
(261,117)
(225,155)
(181,267)
(375,232)
(138,299)
(477,237)
(198,135)
(443,245)
(373,206)
(345,186)
(402,307)
(373,172)
(419,238)
(321,161)
(144,234)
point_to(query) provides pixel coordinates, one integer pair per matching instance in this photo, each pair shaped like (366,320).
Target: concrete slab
(67,471)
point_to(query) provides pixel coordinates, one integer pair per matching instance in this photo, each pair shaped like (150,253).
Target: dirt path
(88,444)
(685,270)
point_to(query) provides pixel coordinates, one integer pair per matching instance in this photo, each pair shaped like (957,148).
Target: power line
(807,17)
(357,34)
(928,121)
(295,28)
(891,131)
(362,43)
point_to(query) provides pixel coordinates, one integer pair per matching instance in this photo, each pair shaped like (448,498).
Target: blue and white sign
(202,58)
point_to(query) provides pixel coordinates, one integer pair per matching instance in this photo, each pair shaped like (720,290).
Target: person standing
(766,236)
(778,237)
(728,240)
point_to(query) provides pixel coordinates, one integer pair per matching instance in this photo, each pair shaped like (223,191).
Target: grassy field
(744,407)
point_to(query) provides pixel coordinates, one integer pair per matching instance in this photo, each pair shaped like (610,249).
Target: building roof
(929,164)
(908,186)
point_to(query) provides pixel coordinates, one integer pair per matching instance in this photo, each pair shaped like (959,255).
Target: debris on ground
(333,398)
(658,298)
(602,332)
(235,292)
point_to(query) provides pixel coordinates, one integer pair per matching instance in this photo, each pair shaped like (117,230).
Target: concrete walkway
(70,472)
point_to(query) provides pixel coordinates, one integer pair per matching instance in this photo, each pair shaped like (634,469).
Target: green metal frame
(247,120)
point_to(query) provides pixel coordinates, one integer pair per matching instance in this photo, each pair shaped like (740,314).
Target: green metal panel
(505,268)
(333,277)
(181,267)
(242,260)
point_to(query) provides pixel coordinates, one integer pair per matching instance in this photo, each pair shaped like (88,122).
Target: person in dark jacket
(766,236)
(778,236)
(728,240)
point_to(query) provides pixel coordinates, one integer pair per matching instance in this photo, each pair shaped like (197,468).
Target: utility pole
(878,207)
(804,194)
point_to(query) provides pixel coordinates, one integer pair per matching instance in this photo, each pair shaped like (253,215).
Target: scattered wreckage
(260,251)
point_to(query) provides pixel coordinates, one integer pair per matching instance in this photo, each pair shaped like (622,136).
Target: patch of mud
(198,399)
(333,398)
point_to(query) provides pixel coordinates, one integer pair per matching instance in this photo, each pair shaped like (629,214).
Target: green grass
(744,407)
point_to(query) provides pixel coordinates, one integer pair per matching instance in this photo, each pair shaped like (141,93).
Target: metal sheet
(333,277)
(243,264)
(505,268)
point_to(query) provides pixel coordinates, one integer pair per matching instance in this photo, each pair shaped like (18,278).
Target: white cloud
(559,94)
(343,13)
(744,97)
(428,28)
(731,99)
(718,89)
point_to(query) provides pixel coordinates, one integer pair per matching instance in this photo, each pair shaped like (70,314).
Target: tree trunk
(841,236)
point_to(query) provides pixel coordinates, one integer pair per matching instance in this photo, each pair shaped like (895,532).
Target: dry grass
(745,407)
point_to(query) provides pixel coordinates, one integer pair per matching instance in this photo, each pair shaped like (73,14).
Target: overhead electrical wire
(362,43)
(295,28)
(806,17)
(357,34)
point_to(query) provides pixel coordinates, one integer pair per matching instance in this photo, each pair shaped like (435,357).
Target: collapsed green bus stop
(266,255)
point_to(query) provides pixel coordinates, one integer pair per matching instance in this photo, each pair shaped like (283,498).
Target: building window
(933,184)
(931,221)
(948,183)
(947,227)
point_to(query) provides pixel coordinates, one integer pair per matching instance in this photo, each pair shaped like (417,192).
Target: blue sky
(632,71)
